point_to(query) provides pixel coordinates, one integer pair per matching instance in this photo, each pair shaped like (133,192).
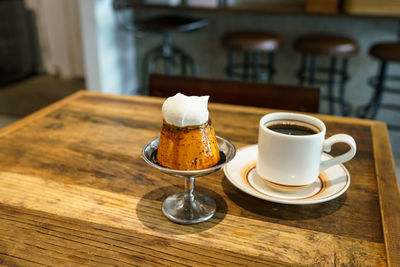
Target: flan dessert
(187,139)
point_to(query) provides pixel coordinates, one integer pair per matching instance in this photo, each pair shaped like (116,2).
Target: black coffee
(291,128)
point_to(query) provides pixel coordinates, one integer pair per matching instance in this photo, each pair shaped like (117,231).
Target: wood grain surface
(74,190)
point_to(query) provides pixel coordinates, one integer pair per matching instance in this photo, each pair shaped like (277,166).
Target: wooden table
(75,190)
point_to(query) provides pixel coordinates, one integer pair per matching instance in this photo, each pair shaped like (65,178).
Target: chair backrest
(238,92)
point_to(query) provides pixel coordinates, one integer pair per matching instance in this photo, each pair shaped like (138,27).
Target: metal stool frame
(377,82)
(337,77)
(250,68)
(166,53)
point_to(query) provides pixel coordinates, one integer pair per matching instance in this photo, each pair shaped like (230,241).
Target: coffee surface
(292,129)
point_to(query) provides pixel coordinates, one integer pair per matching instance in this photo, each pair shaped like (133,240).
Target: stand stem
(189,187)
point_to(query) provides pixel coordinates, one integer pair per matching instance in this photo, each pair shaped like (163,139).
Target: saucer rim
(320,189)
(253,192)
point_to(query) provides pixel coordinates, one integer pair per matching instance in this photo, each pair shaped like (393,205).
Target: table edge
(388,191)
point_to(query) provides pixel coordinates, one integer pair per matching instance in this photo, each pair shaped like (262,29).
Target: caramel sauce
(188,148)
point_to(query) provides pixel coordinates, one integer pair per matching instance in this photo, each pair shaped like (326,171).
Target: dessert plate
(241,172)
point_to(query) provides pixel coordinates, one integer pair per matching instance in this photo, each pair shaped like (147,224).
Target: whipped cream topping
(181,110)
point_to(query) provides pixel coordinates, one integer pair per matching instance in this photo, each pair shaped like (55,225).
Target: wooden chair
(238,92)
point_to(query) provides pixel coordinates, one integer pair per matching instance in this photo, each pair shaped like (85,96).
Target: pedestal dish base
(184,209)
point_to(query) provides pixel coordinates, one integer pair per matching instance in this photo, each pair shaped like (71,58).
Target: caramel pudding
(187,140)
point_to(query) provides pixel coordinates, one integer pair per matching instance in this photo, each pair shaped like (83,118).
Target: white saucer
(333,182)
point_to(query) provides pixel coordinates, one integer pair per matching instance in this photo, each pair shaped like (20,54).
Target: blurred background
(52,48)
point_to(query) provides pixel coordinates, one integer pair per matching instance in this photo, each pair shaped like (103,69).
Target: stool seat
(386,51)
(252,41)
(331,45)
(166,23)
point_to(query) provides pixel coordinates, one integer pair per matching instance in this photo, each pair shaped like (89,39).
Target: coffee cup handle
(338,138)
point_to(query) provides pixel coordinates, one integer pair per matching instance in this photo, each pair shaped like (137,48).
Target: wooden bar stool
(386,53)
(336,48)
(166,52)
(251,45)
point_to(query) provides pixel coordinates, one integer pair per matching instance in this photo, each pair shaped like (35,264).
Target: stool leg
(147,65)
(183,65)
(256,66)
(145,73)
(188,60)
(302,70)
(246,65)
(229,68)
(331,81)
(168,64)
(271,70)
(313,67)
(183,58)
(345,107)
(167,53)
(193,66)
(376,101)
(153,62)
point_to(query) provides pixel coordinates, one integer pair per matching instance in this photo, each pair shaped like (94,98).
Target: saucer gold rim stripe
(246,180)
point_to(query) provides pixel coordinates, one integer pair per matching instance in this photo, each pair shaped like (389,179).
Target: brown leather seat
(322,44)
(252,41)
(386,51)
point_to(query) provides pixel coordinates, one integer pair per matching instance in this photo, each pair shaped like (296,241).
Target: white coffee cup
(295,160)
